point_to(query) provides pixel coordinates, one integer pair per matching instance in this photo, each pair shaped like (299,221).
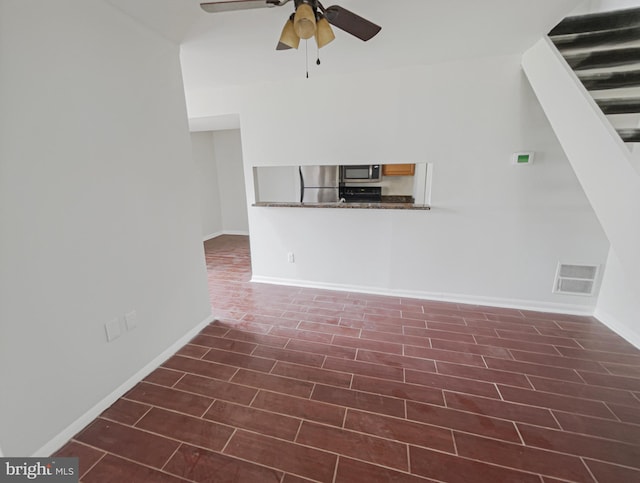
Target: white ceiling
(231,48)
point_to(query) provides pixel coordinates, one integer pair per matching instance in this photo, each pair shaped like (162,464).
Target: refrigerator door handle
(301,184)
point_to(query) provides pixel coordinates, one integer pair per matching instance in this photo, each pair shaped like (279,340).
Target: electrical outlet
(131,320)
(291,258)
(112,328)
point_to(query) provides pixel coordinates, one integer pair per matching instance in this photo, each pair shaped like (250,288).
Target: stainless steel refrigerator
(318,184)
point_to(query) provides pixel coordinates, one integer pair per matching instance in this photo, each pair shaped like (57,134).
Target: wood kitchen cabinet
(398,169)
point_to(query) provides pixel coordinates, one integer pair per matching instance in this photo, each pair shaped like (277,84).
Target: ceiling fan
(309,19)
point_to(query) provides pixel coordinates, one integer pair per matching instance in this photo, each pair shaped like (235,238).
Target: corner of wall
(618,305)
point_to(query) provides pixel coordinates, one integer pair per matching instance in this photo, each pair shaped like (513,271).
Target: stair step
(610,80)
(630,135)
(592,39)
(603,58)
(620,106)
(594,22)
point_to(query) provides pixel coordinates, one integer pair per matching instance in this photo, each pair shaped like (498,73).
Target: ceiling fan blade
(229,5)
(282,46)
(351,23)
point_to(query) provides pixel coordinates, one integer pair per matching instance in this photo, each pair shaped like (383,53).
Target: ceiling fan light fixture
(288,37)
(324,32)
(304,21)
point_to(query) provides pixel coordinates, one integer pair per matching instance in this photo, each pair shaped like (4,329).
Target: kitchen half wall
(496,231)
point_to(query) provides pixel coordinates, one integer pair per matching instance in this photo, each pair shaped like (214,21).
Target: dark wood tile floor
(292,385)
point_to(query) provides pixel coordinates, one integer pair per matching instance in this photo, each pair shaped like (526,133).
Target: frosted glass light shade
(304,21)
(288,37)
(324,33)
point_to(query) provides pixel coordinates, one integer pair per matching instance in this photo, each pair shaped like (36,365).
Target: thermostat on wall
(522,158)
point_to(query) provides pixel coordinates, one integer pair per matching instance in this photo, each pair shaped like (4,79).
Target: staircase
(586,76)
(603,49)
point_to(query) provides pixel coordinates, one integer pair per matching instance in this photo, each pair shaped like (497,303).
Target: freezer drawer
(320,195)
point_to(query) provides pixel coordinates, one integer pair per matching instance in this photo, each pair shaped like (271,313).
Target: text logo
(53,470)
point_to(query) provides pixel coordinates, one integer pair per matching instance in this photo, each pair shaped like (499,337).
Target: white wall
(227,150)
(209,191)
(591,6)
(496,231)
(277,183)
(98,212)
(223,202)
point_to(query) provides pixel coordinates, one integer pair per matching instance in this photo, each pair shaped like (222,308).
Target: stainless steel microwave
(360,173)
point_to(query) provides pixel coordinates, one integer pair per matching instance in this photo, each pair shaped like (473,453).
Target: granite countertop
(397,199)
(382,205)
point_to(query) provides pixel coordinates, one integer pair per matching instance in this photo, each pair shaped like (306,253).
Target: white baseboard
(438,296)
(225,232)
(212,235)
(66,434)
(618,327)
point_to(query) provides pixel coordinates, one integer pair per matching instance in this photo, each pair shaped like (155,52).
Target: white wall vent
(575,279)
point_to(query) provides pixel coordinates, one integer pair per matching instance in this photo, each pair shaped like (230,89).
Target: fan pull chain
(306,55)
(318,54)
